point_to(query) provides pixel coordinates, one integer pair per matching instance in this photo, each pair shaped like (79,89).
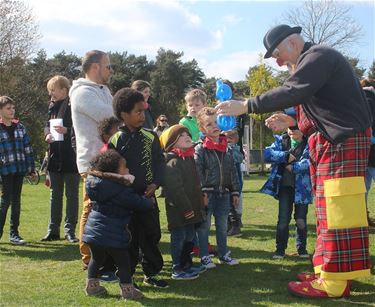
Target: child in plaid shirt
(16,160)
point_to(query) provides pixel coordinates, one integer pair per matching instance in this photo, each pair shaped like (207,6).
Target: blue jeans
(219,206)
(369,178)
(286,200)
(180,236)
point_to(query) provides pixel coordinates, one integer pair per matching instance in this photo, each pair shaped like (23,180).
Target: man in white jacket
(91,102)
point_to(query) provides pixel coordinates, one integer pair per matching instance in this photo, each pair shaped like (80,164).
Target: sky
(225,37)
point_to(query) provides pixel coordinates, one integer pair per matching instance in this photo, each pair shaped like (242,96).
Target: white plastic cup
(56,122)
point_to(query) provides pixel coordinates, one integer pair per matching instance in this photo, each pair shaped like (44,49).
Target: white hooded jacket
(91,103)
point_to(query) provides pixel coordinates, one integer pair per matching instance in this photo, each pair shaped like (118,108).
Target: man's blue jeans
(180,236)
(286,201)
(219,206)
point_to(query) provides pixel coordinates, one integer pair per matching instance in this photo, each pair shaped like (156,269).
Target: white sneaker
(207,262)
(227,259)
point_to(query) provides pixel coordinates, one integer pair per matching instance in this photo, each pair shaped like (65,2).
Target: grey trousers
(71,181)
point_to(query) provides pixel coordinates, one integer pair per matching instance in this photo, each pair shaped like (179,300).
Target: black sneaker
(50,237)
(17,240)
(154,282)
(71,238)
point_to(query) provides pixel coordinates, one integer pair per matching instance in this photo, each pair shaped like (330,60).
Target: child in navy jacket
(106,230)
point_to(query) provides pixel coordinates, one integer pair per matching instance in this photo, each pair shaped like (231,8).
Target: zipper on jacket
(221,171)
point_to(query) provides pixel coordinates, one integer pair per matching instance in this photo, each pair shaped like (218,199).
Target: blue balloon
(224,92)
(226,123)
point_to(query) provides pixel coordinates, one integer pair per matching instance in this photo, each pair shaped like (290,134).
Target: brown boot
(93,287)
(129,292)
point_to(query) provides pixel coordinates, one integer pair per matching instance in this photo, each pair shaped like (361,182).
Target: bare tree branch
(326,22)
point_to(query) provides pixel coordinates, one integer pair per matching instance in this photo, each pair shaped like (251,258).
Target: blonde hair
(4,100)
(202,114)
(196,94)
(58,81)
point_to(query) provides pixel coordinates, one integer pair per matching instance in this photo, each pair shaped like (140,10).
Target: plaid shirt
(16,156)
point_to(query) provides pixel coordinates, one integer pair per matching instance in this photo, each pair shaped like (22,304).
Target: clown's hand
(232,107)
(280,122)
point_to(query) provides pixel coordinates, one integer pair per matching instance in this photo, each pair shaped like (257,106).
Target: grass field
(50,273)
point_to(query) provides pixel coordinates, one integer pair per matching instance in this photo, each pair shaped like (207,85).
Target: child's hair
(196,94)
(4,100)
(59,81)
(140,85)
(106,125)
(107,161)
(124,101)
(206,111)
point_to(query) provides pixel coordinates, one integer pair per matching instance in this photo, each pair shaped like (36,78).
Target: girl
(106,230)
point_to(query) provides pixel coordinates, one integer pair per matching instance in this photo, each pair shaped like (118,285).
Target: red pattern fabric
(338,250)
(221,146)
(184,154)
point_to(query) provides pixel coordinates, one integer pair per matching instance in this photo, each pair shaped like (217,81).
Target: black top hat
(276,35)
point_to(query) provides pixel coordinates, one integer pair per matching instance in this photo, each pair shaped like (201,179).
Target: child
(219,182)
(16,161)
(106,129)
(106,230)
(290,183)
(195,100)
(235,213)
(183,202)
(141,149)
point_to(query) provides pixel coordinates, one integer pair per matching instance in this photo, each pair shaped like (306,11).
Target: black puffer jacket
(183,193)
(112,206)
(217,170)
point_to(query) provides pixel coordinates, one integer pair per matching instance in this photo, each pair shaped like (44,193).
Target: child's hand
(236,201)
(291,158)
(151,188)
(61,129)
(289,167)
(205,199)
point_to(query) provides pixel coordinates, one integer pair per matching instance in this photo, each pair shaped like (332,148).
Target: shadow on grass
(38,251)
(263,283)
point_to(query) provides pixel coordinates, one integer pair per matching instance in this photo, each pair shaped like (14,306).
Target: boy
(16,161)
(219,182)
(195,100)
(290,183)
(183,202)
(234,220)
(141,149)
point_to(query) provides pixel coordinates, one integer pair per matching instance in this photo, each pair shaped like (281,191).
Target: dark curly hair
(107,161)
(125,100)
(106,125)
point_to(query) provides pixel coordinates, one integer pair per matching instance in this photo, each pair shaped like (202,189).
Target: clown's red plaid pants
(338,250)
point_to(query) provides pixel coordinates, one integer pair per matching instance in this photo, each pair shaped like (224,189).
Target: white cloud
(233,67)
(140,27)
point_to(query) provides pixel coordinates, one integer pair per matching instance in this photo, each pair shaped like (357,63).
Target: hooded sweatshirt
(91,103)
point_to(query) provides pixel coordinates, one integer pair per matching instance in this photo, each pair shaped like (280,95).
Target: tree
(326,22)
(261,80)
(359,71)
(371,70)
(19,32)
(170,79)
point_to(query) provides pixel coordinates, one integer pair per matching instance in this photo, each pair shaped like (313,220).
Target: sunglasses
(163,120)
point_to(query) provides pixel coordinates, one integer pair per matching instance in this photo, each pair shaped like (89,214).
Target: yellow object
(345,201)
(317,269)
(334,288)
(345,275)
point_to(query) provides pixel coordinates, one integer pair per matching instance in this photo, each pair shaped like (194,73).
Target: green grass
(50,274)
